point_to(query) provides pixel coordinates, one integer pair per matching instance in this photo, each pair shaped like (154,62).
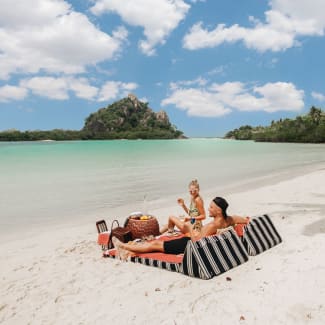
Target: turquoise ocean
(45,184)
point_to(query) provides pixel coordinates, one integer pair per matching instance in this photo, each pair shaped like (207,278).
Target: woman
(195,212)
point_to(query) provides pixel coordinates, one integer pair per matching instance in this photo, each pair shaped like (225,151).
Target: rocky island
(127,118)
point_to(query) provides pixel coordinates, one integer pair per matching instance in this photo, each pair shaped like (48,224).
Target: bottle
(145,206)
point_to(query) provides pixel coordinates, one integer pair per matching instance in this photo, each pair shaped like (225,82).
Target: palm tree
(315,114)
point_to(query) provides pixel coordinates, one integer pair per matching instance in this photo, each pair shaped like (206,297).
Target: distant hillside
(308,128)
(131,119)
(125,119)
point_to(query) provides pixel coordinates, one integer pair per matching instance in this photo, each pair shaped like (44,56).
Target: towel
(103,238)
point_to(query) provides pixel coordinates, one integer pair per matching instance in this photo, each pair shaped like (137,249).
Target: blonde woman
(195,212)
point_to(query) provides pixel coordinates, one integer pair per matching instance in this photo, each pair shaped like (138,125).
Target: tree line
(309,128)
(64,135)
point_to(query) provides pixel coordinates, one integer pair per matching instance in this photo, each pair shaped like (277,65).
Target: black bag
(121,233)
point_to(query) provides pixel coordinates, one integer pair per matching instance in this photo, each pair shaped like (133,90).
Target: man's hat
(222,204)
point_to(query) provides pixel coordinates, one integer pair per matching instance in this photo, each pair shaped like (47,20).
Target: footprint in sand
(21,297)
(3,307)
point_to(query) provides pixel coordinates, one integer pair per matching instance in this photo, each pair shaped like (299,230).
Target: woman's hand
(187,218)
(180,202)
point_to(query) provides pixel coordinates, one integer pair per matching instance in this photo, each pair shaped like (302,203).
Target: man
(217,211)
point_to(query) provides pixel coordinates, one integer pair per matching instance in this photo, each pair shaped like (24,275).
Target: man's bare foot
(116,242)
(121,253)
(124,254)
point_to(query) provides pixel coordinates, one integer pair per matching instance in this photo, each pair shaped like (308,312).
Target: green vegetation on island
(128,118)
(309,128)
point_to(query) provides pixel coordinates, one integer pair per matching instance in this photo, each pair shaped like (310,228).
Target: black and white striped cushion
(156,263)
(153,262)
(213,255)
(260,235)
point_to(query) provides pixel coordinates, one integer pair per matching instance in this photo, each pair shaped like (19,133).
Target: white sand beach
(59,276)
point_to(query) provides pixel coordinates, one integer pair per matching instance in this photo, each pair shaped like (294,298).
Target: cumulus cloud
(284,24)
(158,18)
(220,99)
(197,102)
(54,88)
(82,88)
(47,35)
(60,88)
(9,93)
(318,96)
(113,89)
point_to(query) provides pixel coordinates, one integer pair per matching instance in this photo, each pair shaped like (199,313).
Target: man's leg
(147,247)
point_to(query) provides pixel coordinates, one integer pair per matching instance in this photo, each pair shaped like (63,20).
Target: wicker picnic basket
(142,228)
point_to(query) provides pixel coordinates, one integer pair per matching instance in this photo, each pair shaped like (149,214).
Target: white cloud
(82,88)
(144,100)
(48,35)
(113,89)
(198,81)
(9,93)
(220,70)
(158,18)
(280,96)
(220,99)
(54,88)
(31,13)
(318,96)
(284,24)
(197,102)
(60,88)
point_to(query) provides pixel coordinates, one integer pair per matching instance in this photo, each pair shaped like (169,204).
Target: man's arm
(237,219)
(209,229)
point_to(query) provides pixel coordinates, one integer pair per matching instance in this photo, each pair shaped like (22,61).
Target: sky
(211,65)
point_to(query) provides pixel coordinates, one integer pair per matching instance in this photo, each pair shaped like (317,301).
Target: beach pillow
(213,255)
(204,259)
(260,235)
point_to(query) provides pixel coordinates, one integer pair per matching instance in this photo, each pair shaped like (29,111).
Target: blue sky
(211,65)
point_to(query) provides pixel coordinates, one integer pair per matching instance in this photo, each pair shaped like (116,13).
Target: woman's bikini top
(193,211)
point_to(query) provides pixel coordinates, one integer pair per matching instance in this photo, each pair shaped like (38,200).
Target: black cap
(222,204)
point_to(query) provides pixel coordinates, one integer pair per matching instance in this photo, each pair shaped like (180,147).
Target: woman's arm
(182,204)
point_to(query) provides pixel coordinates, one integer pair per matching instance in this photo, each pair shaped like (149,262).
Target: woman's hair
(195,183)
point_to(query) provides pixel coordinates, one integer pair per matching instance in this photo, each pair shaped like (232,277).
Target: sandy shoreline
(59,277)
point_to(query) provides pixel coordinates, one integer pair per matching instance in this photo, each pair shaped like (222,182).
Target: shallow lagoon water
(51,183)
